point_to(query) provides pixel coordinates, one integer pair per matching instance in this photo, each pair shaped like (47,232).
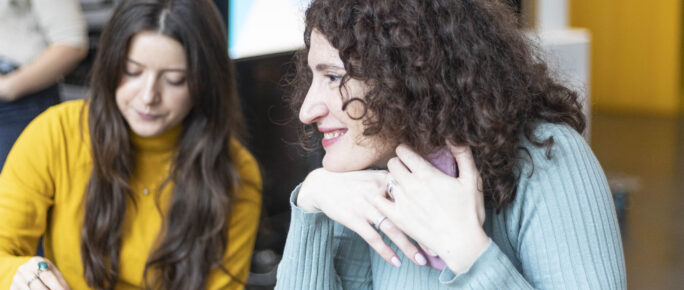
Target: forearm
(46,69)
(310,259)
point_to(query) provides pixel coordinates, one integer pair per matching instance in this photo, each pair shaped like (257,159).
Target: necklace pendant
(146,191)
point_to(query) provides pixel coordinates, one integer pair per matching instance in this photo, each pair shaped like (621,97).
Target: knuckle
(373,240)
(392,162)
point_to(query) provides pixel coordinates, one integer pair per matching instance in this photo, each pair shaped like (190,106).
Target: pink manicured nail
(396,262)
(420,259)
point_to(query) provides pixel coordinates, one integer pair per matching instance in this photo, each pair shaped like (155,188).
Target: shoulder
(570,167)
(568,147)
(68,119)
(68,108)
(246,166)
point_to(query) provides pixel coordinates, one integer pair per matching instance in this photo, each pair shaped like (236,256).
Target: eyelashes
(181,81)
(333,77)
(176,83)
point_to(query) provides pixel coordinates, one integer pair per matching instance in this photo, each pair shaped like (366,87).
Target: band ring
(33,278)
(379,223)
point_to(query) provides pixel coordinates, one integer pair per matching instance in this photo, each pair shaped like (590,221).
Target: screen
(258,27)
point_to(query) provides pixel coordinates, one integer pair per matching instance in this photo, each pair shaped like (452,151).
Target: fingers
(427,250)
(395,234)
(397,170)
(31,276)
(464,158)
(413,161)
(403,243)
(374,240)
(58,275)
(26,276)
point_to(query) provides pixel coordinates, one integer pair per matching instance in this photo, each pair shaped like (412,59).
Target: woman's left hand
(442,213)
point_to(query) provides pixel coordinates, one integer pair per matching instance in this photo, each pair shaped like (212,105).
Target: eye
(131,72)
(177,83)
(332,77)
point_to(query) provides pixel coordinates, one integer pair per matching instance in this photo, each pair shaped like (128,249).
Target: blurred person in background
(144,184)
(452,158)
(40,42)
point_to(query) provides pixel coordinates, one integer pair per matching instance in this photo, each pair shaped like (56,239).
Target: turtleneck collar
(165,141)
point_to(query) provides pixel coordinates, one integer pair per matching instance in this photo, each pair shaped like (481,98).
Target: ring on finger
(42,267)
(390,187)
(380,221)
(33,278)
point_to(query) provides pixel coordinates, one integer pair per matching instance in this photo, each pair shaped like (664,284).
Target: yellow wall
(636,54)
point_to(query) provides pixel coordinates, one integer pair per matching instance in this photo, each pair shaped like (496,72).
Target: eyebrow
(164,70)
(325,66)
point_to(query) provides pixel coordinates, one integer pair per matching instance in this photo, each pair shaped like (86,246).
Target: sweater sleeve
(62,22)
(322,254)
(26,194)
(566,231)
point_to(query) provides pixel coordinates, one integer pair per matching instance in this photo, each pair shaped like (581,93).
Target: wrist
(473,244)
(7,88)
(305,196)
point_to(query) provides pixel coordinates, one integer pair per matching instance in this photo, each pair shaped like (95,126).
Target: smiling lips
(330,136)
(147,116)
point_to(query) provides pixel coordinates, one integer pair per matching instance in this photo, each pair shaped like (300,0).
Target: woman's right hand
(344,197)
(28,276)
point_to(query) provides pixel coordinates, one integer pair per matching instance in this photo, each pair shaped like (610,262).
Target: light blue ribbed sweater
(560,232)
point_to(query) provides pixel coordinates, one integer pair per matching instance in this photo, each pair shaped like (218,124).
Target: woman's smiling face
(346,148)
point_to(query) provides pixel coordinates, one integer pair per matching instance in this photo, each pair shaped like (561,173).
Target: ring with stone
(42,267)
(390,188)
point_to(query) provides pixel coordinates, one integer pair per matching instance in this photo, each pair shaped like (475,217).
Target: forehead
(322,52)
(155,49)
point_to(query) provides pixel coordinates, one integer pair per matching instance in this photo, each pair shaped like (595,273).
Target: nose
(151,94)
(314,107)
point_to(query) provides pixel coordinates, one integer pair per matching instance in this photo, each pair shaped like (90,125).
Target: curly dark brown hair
(457,70)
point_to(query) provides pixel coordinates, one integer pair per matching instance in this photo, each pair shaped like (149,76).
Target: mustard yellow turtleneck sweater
(42,189)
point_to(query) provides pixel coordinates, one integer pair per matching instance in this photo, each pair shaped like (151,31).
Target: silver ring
(390,188)
(379,223)
(28,283)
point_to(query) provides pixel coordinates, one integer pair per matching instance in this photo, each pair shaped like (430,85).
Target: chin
(146,132)
(342,164)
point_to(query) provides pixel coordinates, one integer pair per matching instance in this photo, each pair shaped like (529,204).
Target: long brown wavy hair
(457,70)
(194,234)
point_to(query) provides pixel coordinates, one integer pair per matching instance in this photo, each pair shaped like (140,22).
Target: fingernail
(420,259)
(396,262)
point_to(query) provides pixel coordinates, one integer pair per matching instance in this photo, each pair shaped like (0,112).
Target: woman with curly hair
(488,182)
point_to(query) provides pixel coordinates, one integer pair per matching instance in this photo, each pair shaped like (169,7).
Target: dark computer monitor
(262,37)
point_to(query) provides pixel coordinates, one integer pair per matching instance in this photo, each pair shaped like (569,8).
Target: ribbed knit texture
(560,232)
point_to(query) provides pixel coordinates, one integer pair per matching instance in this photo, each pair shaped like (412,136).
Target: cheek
(122,98)
(126,92)
(181,103)
(356,108)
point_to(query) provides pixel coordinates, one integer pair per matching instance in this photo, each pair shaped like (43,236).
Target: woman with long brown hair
(452,158)
(144,184)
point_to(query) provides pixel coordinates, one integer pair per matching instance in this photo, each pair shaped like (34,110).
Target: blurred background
(623,56)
